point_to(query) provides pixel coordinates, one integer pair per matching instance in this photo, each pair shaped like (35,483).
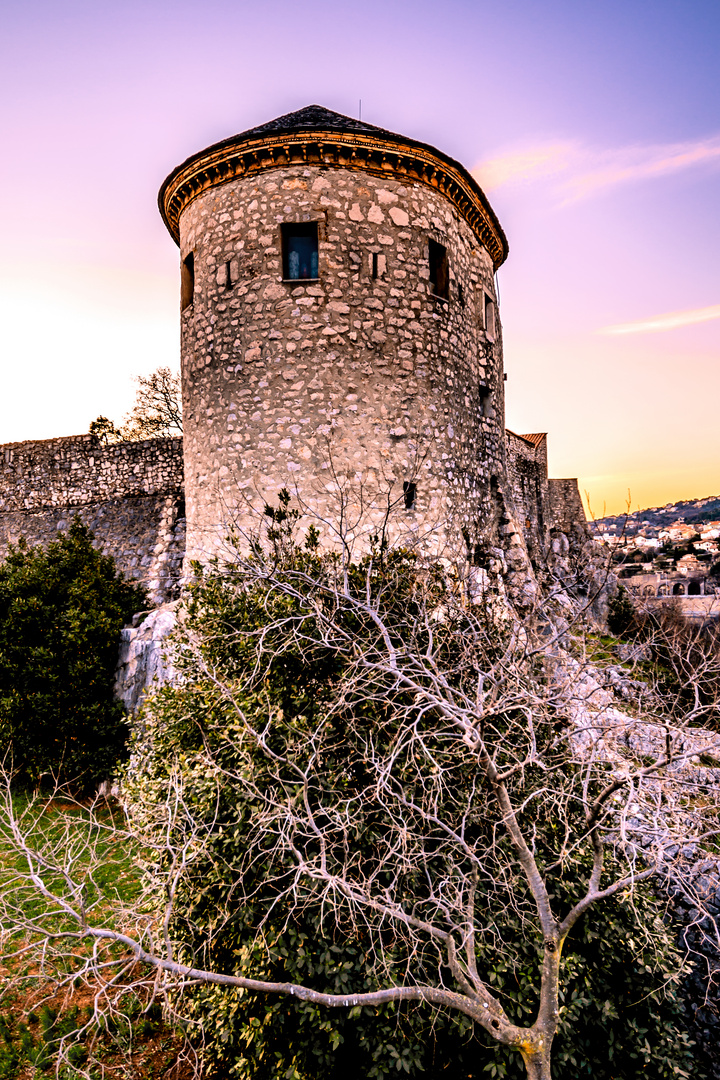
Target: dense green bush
(621,1015)
(622,619)
(61,611)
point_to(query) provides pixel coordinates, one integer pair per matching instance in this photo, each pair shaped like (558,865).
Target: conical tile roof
(313,118)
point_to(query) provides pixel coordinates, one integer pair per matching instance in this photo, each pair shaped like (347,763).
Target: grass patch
(600,648)
(36,1011)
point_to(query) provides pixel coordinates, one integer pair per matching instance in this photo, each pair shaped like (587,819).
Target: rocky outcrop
(145,662)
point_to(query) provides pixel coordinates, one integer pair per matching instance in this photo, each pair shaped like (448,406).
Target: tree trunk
(537,1046)
(537,1063)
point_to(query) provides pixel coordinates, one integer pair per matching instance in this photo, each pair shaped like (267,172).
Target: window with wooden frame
(300,250)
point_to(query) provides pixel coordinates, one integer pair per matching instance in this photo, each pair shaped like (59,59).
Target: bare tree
(157,411)
(459,765)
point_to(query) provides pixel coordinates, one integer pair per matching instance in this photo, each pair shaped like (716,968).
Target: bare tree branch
(443,778)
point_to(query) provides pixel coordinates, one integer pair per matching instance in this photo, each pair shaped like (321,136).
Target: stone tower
(340,333)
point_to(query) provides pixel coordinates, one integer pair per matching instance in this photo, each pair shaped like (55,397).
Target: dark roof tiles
(312,117)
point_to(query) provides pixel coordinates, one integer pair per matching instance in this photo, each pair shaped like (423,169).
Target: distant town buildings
(665,552)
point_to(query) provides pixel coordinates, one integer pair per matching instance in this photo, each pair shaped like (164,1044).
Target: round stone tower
(340,334)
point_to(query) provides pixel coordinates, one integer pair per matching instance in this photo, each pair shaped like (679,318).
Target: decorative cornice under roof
(316,136)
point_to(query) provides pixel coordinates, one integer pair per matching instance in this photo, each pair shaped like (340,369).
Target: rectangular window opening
(485,401)
(439,276)
(228,273)
(461,295)
(489,317)
(409,494)
(374,265)
(300,250)
(187,281)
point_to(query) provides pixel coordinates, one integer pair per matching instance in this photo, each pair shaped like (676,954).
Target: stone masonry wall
(129,494)
(568,514)
(79,470)
(527,472)
(356,382)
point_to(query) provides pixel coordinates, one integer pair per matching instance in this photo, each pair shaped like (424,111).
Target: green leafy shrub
(61,611)
(621,1014)
(622,619)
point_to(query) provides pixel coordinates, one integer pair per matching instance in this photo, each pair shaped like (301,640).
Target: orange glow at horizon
(597,143)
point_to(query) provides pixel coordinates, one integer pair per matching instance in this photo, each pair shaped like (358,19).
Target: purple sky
(594,128)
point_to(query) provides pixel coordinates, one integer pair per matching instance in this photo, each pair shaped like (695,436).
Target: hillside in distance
(689,511)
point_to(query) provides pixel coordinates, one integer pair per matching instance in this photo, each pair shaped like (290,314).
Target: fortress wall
(129,494)
(528,482)
(568,513)
(78,470)
(361,378)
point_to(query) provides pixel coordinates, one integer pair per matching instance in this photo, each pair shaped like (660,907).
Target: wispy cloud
(578,171)
(529,163)
(670,321)
(644,163)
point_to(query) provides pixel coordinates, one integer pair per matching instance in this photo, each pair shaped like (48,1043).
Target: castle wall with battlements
(527,479)
(566,508)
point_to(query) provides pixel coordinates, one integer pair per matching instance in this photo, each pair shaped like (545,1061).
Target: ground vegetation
(61,611)
(383,827)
